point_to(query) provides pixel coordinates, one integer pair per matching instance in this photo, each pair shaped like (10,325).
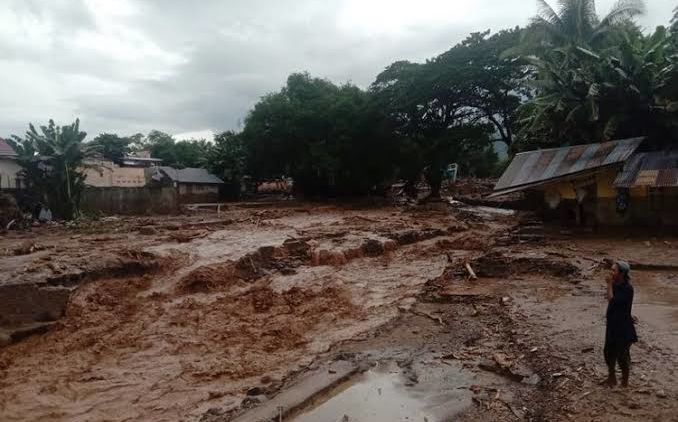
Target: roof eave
(562,178)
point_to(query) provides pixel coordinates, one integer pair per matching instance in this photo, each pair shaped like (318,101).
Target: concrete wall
(9,172)
(107,174)
(130,201)
(647,206)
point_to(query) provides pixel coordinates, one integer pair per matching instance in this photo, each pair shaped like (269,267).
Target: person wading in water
(620,332)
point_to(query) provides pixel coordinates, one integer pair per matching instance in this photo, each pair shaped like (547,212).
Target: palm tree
(633,92)
(575,24)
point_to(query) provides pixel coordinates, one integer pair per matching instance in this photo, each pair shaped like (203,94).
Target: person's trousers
(617,353)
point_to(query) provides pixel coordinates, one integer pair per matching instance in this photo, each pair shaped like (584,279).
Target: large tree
(445,111)
(329,138)
(227,159)
(111,146)
(179,154)
(53,160)
(489,84)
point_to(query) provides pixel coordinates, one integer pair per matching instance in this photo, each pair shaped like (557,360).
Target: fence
(130,201)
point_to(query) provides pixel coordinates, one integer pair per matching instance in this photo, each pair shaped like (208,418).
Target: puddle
(372,397)
(656,289)
(385,394)
(656,304)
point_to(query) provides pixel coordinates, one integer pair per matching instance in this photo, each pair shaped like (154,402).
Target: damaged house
(607,183)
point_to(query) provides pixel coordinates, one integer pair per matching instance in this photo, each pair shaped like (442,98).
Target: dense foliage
(330,139)
(449,109)
(226,159)
(415,120)
(598,79)
(111,146)
(178,154)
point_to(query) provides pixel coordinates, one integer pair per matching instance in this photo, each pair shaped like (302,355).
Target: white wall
(9,172)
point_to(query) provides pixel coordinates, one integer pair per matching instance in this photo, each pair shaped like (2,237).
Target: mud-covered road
(323,314)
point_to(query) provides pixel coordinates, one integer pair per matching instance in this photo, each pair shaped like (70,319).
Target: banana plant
(53,159)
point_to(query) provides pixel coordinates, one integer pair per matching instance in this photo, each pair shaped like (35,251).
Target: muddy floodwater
(433,314)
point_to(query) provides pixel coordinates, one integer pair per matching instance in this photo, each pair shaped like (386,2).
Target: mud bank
(26,306)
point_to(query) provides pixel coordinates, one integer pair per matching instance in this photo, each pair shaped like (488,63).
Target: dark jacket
(620,326)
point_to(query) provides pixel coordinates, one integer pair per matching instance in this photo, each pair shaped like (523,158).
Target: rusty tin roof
(653,169)
(529,169)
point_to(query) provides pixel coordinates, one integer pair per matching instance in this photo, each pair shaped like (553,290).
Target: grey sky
(181,66)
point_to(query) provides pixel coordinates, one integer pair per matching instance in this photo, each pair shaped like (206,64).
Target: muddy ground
(327,313)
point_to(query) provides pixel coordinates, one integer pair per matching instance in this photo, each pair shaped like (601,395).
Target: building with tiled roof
(9,168)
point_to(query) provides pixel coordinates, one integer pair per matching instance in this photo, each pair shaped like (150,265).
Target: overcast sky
(183,66)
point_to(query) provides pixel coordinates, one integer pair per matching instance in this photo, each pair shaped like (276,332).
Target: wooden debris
(427,315)
(471,273)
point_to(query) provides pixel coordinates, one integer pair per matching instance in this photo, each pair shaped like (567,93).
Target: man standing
(620,332)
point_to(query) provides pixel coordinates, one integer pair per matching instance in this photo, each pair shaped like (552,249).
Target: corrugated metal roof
(191,175)
(537,167)
(653,169)
(6,150)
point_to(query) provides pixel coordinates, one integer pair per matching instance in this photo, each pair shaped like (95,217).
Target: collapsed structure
(605,183)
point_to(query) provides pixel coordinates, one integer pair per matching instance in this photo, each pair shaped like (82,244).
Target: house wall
(563,189)
(107,174)
(647,206)
(9,173)
(605,183)
(197,193)
(130,201)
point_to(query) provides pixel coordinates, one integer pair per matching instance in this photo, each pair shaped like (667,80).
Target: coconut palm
(632,92)
(575,24)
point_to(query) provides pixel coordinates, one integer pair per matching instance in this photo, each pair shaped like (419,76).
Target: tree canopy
(227,160)
(329,138)
(111,146)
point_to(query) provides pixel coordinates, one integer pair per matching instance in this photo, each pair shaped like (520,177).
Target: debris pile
(497,264)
